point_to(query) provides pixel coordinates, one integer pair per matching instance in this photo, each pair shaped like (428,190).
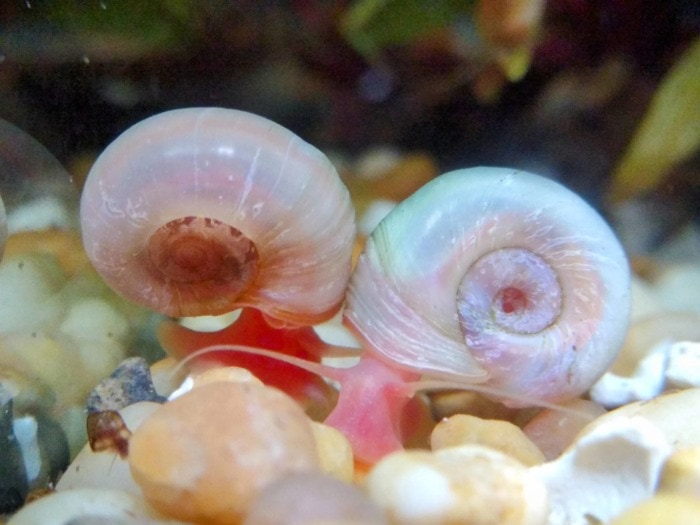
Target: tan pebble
(554,430)
(674,414)
(446,404)
(462,429)
(204,456)
(233,374)
(644,335)
(30,286)
(65,245)
(47,361)
(334,452)
(681,473)
(662,509)
(470,484)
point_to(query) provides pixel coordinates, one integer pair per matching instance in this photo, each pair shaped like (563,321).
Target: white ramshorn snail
(497,277)
(204,210)
(486,279)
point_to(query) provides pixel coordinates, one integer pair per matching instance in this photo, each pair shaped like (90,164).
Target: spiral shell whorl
(546,328)
(241,170)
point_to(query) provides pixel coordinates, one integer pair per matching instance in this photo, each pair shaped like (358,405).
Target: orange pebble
(204,456)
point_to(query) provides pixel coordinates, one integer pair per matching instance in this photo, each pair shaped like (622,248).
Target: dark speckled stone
(129,383)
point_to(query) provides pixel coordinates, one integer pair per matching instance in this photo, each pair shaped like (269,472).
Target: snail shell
(497,277)
(201,211)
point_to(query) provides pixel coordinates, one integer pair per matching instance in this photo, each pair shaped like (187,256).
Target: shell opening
(203,258)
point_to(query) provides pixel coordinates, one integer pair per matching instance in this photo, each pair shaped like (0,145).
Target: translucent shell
(219,179)
(497,277)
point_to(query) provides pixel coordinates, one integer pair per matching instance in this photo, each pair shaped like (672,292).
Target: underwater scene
(350,262)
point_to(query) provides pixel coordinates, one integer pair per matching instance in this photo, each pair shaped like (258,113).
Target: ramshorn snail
(490,278)
(204,210)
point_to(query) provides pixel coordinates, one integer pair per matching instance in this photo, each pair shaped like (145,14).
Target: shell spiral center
(196,249)
(510,289)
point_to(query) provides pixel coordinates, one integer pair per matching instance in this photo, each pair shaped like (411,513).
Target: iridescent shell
(496,277)
(237,176)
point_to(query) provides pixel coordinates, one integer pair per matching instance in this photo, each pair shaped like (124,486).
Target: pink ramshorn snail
(201,211)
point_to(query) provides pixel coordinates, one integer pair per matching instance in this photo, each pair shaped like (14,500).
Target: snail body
(494,277)
(200,211)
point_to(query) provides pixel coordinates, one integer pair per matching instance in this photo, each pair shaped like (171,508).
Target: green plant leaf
(154,24)
(371,25)
(669,132)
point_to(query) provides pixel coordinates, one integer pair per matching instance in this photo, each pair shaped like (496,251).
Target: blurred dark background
(555,87)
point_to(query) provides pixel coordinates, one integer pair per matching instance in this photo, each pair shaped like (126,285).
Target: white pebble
(647,382)
(61,508)
(683,369)
(423,491)
(463,484)
(606,471)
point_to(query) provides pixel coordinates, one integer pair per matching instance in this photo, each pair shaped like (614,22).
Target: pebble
(469,484)
(334,452)
(683,368)
(82,505)
(13,478)
(674,414)
(553,431)
(128,384)
(207,454)
(65,245)
(448,403)
(646,382)
(666,509)
(646,334)
(463,429)
(36,279)
(670,364)
(607,470)
(313,498)
(681,473)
